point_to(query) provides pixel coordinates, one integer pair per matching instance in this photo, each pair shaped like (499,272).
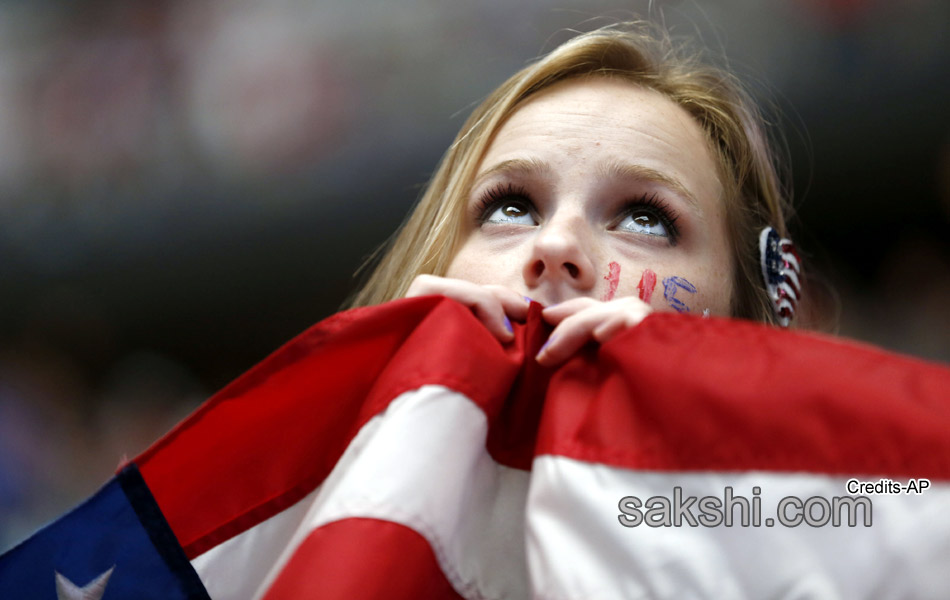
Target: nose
(562,255)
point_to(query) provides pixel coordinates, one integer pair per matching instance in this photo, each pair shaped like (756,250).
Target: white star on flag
(67,590)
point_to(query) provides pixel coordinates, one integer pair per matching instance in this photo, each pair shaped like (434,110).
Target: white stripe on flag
(577,547)
(421,463)
(238,568)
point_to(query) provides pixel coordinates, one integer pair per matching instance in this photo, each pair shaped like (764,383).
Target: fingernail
(544,347)
(528,300)
(508,325)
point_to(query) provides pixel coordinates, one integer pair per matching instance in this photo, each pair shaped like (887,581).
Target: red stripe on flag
(362,558)
(674,393)
(683,393)
(268,439)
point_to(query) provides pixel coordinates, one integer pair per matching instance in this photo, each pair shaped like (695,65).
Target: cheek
(667,290)
(483,264)
(715,290)
(466,266)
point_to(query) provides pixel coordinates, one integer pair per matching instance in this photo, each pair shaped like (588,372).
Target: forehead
(600,123)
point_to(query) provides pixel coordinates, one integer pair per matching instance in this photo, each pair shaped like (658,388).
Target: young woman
(400,451)
(615,176)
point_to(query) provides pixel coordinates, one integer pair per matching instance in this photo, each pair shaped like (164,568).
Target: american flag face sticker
(781,270)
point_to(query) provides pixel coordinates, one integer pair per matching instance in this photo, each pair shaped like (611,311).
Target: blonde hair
(636,52)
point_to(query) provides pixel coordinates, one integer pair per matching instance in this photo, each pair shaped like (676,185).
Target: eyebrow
(612,169)
(523,166)
(622,170)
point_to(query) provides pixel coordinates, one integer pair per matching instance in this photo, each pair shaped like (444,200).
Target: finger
(629,312)
(491,313)
(483,302)
(569,336)
(609,328)
(580,322)
(514,304)
(558,312)
(427,285)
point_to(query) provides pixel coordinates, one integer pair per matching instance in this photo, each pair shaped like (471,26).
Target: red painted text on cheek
(613,280)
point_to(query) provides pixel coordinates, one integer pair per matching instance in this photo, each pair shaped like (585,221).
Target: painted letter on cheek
(613,280)
(646,285)
(670,286)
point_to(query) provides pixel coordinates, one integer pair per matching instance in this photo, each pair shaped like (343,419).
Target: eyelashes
(495,197)
(651,207)
(646,214)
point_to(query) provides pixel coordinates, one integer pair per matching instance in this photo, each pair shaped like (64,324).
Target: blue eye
(511,211)
(642,221)
(506,204)
(649,215)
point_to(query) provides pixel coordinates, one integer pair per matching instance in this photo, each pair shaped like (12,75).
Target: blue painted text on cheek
(671,285)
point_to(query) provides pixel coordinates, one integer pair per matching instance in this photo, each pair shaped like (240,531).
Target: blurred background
(186,184)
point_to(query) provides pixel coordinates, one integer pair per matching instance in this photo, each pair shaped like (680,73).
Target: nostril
(538,268)
(572,270)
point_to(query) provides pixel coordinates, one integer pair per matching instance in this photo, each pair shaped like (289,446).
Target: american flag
(400,451)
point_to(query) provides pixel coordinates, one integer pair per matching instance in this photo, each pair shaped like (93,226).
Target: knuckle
(422,282)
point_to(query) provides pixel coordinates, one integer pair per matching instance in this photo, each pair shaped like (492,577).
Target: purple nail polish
(508,325)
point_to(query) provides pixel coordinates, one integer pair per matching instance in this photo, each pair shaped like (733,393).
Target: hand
(494,305)
(579,320)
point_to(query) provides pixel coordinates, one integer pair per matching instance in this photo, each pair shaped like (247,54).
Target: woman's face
(604,189)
